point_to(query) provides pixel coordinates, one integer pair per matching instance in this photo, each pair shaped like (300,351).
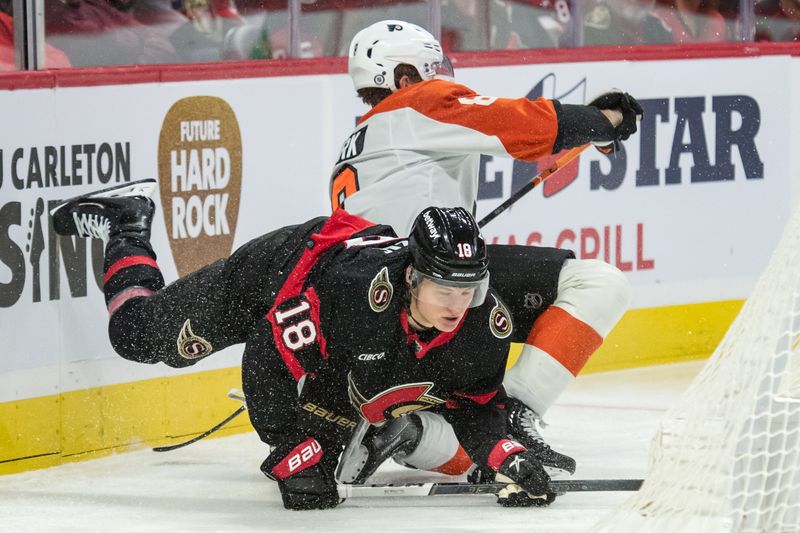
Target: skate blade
(350,467)
(143,188)
(557,473)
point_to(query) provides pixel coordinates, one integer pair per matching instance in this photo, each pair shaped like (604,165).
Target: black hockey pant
(204,312)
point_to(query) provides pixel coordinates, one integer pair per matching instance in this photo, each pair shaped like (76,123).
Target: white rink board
(699,241)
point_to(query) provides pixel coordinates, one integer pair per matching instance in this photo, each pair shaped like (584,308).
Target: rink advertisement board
(690,208)
(692,205)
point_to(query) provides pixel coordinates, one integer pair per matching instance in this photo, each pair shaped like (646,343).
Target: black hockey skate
(124,210)
(396,439)
(522,422)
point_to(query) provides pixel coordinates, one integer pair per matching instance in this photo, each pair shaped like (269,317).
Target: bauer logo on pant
(190,346)
(200,180)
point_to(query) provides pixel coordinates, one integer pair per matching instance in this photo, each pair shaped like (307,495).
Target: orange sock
(456,466)
(565,338)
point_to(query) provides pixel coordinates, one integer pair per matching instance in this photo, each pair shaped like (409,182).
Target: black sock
(130,270)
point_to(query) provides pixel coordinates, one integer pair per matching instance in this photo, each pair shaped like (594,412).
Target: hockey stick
(233,394)
(560,163)
(230,417)
(557,486)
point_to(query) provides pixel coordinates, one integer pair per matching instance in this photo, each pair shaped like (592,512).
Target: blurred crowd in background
(87,33)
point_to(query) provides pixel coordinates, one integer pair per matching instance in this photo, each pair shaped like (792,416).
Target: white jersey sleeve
(421,146)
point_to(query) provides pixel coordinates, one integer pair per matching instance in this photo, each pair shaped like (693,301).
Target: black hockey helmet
(447,247)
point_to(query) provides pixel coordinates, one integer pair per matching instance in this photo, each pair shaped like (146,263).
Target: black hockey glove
(305,474)
(528,482)
(631,113)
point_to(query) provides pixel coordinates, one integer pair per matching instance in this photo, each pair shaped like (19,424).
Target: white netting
(727,455)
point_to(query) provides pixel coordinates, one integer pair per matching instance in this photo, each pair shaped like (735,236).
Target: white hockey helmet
(377,49)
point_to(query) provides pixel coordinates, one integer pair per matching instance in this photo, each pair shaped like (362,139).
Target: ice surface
(605,421)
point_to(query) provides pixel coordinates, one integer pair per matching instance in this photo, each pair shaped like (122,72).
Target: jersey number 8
(343,184)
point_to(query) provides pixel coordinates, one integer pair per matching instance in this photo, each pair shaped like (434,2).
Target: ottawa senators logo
(190,346)
(380,291)
(392,403)
(500,320)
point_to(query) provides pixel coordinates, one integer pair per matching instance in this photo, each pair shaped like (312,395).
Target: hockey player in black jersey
(342,321)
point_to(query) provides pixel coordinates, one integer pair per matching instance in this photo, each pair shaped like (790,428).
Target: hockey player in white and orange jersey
(420,146)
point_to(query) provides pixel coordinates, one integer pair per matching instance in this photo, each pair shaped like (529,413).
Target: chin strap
(416,324)
(413,322)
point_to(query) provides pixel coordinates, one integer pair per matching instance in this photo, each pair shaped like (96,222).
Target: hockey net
(726,457)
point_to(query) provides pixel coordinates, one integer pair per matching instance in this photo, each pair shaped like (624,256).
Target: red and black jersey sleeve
(290,342)
(295,315)
(270,389)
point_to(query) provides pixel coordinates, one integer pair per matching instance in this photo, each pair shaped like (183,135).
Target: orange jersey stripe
(565,338)
(526,128)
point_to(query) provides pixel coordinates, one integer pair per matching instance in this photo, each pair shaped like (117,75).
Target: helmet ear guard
(376,50)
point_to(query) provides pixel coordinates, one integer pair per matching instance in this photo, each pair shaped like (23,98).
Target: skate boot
(124,210)
(522,424)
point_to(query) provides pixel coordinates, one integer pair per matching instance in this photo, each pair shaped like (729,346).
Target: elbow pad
(579,125)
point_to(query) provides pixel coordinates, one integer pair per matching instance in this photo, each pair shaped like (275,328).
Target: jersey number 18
(299,334)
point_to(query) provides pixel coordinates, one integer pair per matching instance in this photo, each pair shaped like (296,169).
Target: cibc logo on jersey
(371,356)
